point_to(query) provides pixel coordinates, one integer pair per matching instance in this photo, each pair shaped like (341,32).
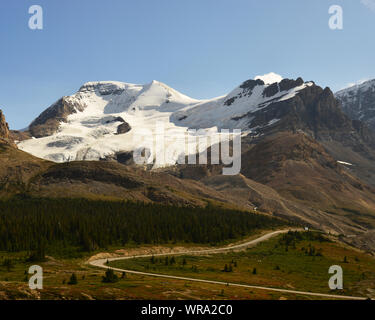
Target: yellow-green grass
(275,266)
(90,286)
(296,271)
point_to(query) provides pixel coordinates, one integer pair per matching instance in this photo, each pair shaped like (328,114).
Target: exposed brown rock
(317,113)
(49,120)
(251,84)
(287,84)
(123,128)
(247,88)
(271,90)
(302,171)
(16,135)
(4,128)
(5,134)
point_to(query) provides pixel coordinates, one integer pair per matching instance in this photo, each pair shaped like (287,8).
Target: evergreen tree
(110,276)
(40,226)
(73,279)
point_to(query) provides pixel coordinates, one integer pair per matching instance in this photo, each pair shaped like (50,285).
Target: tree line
(38,224)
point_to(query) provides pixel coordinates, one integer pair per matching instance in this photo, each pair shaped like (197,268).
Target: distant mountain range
(303,157)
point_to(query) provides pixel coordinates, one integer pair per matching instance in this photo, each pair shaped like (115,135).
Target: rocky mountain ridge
(358,102)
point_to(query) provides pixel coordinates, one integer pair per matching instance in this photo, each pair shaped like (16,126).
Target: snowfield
(155,112)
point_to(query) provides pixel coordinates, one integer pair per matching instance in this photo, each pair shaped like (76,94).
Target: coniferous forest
(43,224)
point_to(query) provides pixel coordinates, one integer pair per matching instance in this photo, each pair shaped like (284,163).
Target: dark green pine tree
(73,279)
(110,277)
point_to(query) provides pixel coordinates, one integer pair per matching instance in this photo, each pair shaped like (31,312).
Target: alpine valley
(307,155)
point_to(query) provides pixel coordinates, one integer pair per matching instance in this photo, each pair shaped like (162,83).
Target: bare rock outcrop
(49,121)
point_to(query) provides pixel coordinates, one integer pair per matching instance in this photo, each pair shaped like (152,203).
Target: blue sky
(203,48)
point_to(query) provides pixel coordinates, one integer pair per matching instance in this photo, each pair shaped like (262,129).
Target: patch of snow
(345,163)
(353,88)
(273,121)
(269,78)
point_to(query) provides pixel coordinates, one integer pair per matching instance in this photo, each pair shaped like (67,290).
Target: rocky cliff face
(316,112)
(49,121)
(10,136)
(358,102)
(4,128)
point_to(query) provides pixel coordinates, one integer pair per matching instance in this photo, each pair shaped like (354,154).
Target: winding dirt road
(102,263)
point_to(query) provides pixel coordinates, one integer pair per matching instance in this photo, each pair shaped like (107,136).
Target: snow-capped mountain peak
(104,118)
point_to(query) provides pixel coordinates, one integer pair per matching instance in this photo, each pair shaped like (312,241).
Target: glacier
(91,132)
